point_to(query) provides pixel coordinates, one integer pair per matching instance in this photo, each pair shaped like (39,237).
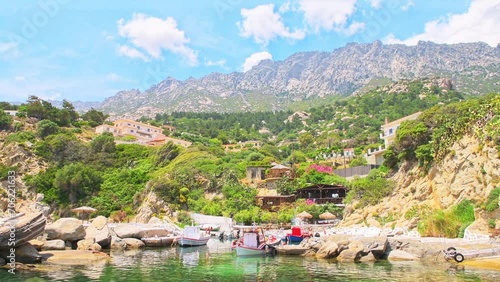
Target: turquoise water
(216,262)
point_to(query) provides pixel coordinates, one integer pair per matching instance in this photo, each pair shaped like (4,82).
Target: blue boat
(297,235)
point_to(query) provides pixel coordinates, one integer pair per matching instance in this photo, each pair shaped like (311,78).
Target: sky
(90,50)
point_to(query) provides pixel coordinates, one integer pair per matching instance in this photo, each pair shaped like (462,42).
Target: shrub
(20,137)
(184,217)
(493,200)
(369,190)
(450,224)
(46,127)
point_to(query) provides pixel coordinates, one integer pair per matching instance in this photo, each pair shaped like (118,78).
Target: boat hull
(186,242)
(243,251)
(295,239)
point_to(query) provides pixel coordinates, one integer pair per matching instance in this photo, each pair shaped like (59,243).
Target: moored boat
(192,236)
(249,245)
(297,235)
(210,227)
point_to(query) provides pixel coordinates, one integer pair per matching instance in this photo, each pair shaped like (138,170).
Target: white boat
(192,236)
(210,227)
(250,246)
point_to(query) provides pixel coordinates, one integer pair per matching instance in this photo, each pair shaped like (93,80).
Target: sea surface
(217,262)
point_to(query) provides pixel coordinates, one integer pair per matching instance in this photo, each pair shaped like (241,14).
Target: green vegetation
(493,201)
(5,120)
(85,169)
(4,171)
(430,137)
(369,190)
(450,223)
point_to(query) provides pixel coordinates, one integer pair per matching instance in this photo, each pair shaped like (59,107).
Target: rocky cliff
(471,171)
(302,77)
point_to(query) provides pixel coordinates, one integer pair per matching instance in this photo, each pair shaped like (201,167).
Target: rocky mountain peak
(474,68)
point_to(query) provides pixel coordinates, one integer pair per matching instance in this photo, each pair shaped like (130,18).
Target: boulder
(309,253)
(117,243)
(67,229)
(99,231)
(153,232)
(479,229)
(398,255)
(133,243)
(57,244)
(127,231)
(37,244)
(376,245)
(291,250)
(368,258)
(154,220)
(328,250)
(21,228)
(74,257)
(88,245)
(25,253)
(354,251)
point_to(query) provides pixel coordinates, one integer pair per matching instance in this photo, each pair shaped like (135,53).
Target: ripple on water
(216,262)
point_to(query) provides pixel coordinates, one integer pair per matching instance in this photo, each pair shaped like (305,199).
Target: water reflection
(217,262)
(190,256)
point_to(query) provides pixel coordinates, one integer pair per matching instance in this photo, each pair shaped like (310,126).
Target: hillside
(310,77)
(448,156)
(455,161)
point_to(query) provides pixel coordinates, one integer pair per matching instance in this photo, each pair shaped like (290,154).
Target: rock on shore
(74,257)
(348,248)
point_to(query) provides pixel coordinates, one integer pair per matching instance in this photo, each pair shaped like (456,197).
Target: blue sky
(89,50)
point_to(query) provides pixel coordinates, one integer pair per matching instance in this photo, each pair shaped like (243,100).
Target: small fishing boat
(297,235)
(163,241)
(192,236)
(249,245)
(210,227)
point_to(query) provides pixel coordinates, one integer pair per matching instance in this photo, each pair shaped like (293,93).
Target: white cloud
(107,36)
(155,35)
(408,5)
(20,78)
(353,28)
(376,3)
(8,46)
(264,25)
(67,52)
(255,59)
(130,52)
(219,63)
(327,15)
(51,96)
(113,77)
(479,23)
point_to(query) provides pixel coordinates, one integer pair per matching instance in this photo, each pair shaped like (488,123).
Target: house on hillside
(124,127)
(272,203)
(162,139)
(145,133)
(11,112)
(256,173)
(375,157)
(242,146)
(323,194)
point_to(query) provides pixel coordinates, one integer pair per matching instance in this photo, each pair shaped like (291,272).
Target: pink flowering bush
(309,202)
(320,168)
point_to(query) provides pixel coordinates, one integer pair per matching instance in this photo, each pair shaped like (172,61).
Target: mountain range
(308,78)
